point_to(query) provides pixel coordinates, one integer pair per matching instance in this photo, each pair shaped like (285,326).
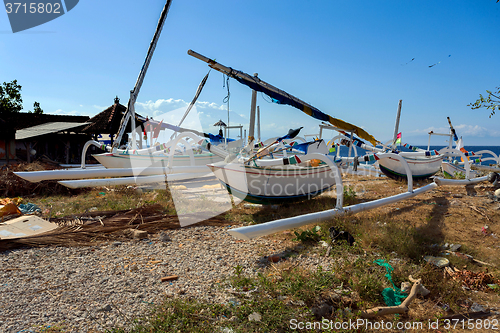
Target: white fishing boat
(460,162)
(421,166)
(266,184)
(125,160)
(160,159)
(257,177)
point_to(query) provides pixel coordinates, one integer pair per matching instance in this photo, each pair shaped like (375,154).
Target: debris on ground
(25,226)
(472,280)
(469,258)
(392,296)
(416,289)
(169,278)
(437,261)
(338,235)
(14,186)
(100,226)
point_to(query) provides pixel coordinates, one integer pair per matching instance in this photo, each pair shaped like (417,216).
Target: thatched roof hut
(108,121)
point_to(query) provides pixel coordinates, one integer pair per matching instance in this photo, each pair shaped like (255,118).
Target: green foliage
(312,235)
(349,195)
(36,108)
(11,101)
(10,98)
(492,101)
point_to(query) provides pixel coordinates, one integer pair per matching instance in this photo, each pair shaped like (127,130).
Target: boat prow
(421,167)
(273,184)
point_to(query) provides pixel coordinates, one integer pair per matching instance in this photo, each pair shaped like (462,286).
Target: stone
(475,307)
(107,308)
(86,278)
(163,237)
(255,316)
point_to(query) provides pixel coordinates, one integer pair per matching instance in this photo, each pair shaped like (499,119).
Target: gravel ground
(91,289)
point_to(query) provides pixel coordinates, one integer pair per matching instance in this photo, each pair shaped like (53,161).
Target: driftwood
(469,257)
(169,278)
(474,208)
(416,289)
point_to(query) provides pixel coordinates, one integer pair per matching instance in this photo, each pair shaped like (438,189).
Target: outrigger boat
(259,178)
(132,163)
(453,168)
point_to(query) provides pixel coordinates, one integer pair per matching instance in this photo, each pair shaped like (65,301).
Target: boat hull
(111,160)
(276,184)
(420,167)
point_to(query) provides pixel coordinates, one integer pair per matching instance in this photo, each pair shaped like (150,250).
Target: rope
(392,297)
(228,96)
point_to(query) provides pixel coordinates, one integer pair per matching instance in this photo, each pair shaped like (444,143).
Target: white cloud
(210,105)
(161,106)
(164,105)
(69,113)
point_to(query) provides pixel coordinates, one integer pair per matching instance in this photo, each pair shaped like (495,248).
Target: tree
(10,98)
(36,108)
(11,101)
(491,102)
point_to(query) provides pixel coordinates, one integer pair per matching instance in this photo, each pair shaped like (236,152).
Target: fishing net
(392,297)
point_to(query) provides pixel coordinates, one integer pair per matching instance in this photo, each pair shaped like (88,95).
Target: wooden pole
(252,114)
(258,123)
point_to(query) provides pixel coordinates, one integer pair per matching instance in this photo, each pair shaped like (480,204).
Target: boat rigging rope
(225,83)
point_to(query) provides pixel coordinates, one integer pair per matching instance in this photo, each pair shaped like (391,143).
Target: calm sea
(495,149)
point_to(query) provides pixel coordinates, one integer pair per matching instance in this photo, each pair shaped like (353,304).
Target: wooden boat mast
(130,114)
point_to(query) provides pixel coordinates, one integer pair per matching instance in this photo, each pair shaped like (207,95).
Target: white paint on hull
(419,166)
(110,160)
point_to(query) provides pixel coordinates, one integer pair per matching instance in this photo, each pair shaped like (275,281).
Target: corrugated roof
(46,128)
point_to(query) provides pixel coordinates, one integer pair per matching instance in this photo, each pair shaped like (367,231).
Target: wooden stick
(469,257)
(169,278)
(474,208)
(402,308)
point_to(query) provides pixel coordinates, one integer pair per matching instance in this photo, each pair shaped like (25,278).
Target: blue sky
(350,59)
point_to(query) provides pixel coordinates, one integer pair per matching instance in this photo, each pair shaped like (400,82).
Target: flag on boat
(398,139)
(157,130)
